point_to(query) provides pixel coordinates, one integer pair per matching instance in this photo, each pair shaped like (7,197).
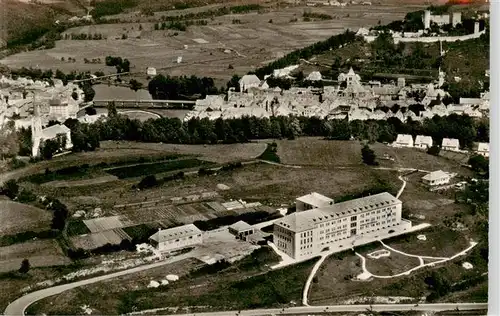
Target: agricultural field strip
(103,223)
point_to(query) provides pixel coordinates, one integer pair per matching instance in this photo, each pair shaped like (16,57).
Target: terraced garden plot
(96,240)
(76,228)
(155,168)
(40,253)
(17,218)
(103,223)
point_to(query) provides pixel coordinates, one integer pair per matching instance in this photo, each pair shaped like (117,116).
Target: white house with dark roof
(451,144)
(403,140)
(311,201)
(436,178)
(241,230)
(336,227)
(176,238)
(483,149)
(423,142)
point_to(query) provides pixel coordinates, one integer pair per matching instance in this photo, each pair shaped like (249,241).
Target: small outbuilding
(151,71)
(241,230)
(436,178)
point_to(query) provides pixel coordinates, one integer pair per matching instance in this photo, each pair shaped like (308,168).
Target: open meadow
(248,44)
(40,253)
(314,151)
(17,218)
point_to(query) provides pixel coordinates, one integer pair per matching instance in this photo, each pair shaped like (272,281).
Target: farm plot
(169,214)
(40,253)
(310,151)
(213,153)
(113,156)
(80,183)
(155,168)
(76,228)
(97,225)
(16,218)
(96,240)
(252,42)
(273,185)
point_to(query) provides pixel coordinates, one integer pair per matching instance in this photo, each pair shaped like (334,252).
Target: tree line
(122,65)
(83,36)
(239,9)
(177,25)
(173,88)
(240,130)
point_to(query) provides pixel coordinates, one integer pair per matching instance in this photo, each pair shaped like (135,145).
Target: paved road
(19,306)
(350,308)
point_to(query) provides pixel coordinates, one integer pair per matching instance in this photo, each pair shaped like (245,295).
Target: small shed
(151,71)
(241,230)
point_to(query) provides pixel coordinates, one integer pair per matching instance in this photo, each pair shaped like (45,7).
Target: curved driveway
(19,306)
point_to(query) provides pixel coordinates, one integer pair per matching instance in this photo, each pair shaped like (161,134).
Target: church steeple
(36,129)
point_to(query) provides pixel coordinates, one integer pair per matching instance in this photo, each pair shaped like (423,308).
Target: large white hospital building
(336,226)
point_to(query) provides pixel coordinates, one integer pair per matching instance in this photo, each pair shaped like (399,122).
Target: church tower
(36,129)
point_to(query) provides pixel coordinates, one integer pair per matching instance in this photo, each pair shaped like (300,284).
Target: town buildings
(336,227)
(39,135)
(436,178)
(351,99)
(176,238)
(19,97)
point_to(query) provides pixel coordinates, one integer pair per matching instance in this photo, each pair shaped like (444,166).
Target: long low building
(176,238)
(337,226)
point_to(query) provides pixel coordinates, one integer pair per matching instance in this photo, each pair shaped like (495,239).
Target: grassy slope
(23,17)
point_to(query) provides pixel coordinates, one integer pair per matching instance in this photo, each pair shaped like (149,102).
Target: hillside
(25,21)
